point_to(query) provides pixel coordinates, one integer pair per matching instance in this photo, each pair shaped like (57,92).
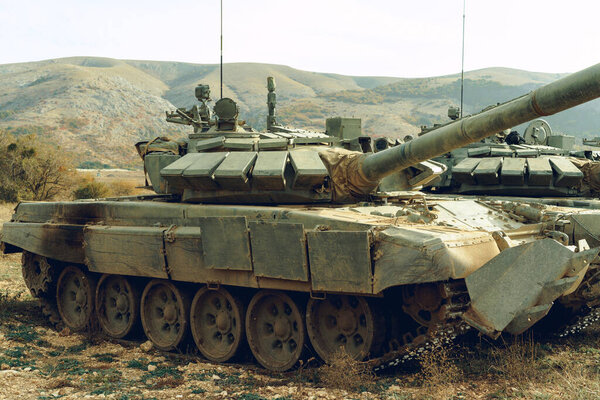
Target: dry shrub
(516,361)
(89,188)
(122,188)
(438,369)
(344,372)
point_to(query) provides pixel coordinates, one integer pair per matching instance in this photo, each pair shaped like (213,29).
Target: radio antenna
(222,48)
(462,68)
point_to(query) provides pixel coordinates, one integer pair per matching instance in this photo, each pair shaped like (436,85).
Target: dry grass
(344,372)
(514,361)
(58,383)
(115,184)
(124,187)
(439,369)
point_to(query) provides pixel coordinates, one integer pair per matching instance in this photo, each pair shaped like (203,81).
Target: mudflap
(517,288)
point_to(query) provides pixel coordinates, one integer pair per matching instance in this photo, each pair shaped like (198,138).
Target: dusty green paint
(58,241)
(340,261)
(279,250)
(137,251)
(225,243)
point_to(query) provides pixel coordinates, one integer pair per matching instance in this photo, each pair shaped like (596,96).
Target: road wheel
(217,323)
(117,305)
(165,312)
(341,323)
(75,298)
(275,330)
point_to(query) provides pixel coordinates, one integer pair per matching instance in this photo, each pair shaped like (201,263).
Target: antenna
(462,67)
(222,48)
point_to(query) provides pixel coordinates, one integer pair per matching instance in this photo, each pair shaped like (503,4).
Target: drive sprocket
(38,274)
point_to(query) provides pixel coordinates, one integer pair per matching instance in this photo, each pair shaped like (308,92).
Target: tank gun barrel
(568,92)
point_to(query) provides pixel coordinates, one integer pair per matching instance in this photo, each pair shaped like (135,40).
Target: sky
(401,38)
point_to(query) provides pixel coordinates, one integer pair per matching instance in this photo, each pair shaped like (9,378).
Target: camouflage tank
(539,164)
(281,241)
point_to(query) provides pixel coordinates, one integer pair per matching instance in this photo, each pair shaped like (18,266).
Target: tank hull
(392,261)
(314,249)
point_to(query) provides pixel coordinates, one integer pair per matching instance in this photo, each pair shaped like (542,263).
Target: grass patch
(22,333)
(59,383)
(105,357)
(162,371)
(76,349)
(17,357)
(167,382)
(68,366)
(141,364)
(9,302)
(162,377)
(251,396)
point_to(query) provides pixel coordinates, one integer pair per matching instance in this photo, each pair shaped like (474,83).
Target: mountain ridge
(99,107)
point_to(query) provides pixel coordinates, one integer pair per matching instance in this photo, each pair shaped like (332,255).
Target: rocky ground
(39,362)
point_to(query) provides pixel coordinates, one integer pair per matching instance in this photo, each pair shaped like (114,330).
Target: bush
(32,170)
(122,188)
(91,190)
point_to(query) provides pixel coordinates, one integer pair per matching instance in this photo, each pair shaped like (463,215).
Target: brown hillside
(100,107)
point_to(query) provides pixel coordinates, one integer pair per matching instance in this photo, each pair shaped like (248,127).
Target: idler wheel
(275,330)
(38,275)
(424,303)
(341,323)
(164,313)
(117,305)
(75,298)
(217,323)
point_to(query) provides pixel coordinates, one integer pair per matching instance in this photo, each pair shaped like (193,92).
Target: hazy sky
(403,38)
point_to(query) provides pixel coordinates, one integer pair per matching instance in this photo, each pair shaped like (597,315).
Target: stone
(146,346)
(151,367)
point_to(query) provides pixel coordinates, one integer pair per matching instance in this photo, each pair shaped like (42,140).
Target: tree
(31,169)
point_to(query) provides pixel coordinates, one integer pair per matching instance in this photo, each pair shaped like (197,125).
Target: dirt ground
(38,362)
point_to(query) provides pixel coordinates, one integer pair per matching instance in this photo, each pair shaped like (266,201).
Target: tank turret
(539,163)
(558,96)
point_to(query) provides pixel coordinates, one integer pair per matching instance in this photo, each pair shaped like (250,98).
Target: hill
(100,107)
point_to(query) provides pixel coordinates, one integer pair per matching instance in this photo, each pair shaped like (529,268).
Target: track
(438,318)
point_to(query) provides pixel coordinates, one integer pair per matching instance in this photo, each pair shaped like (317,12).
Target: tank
(541,165)
(281,242)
